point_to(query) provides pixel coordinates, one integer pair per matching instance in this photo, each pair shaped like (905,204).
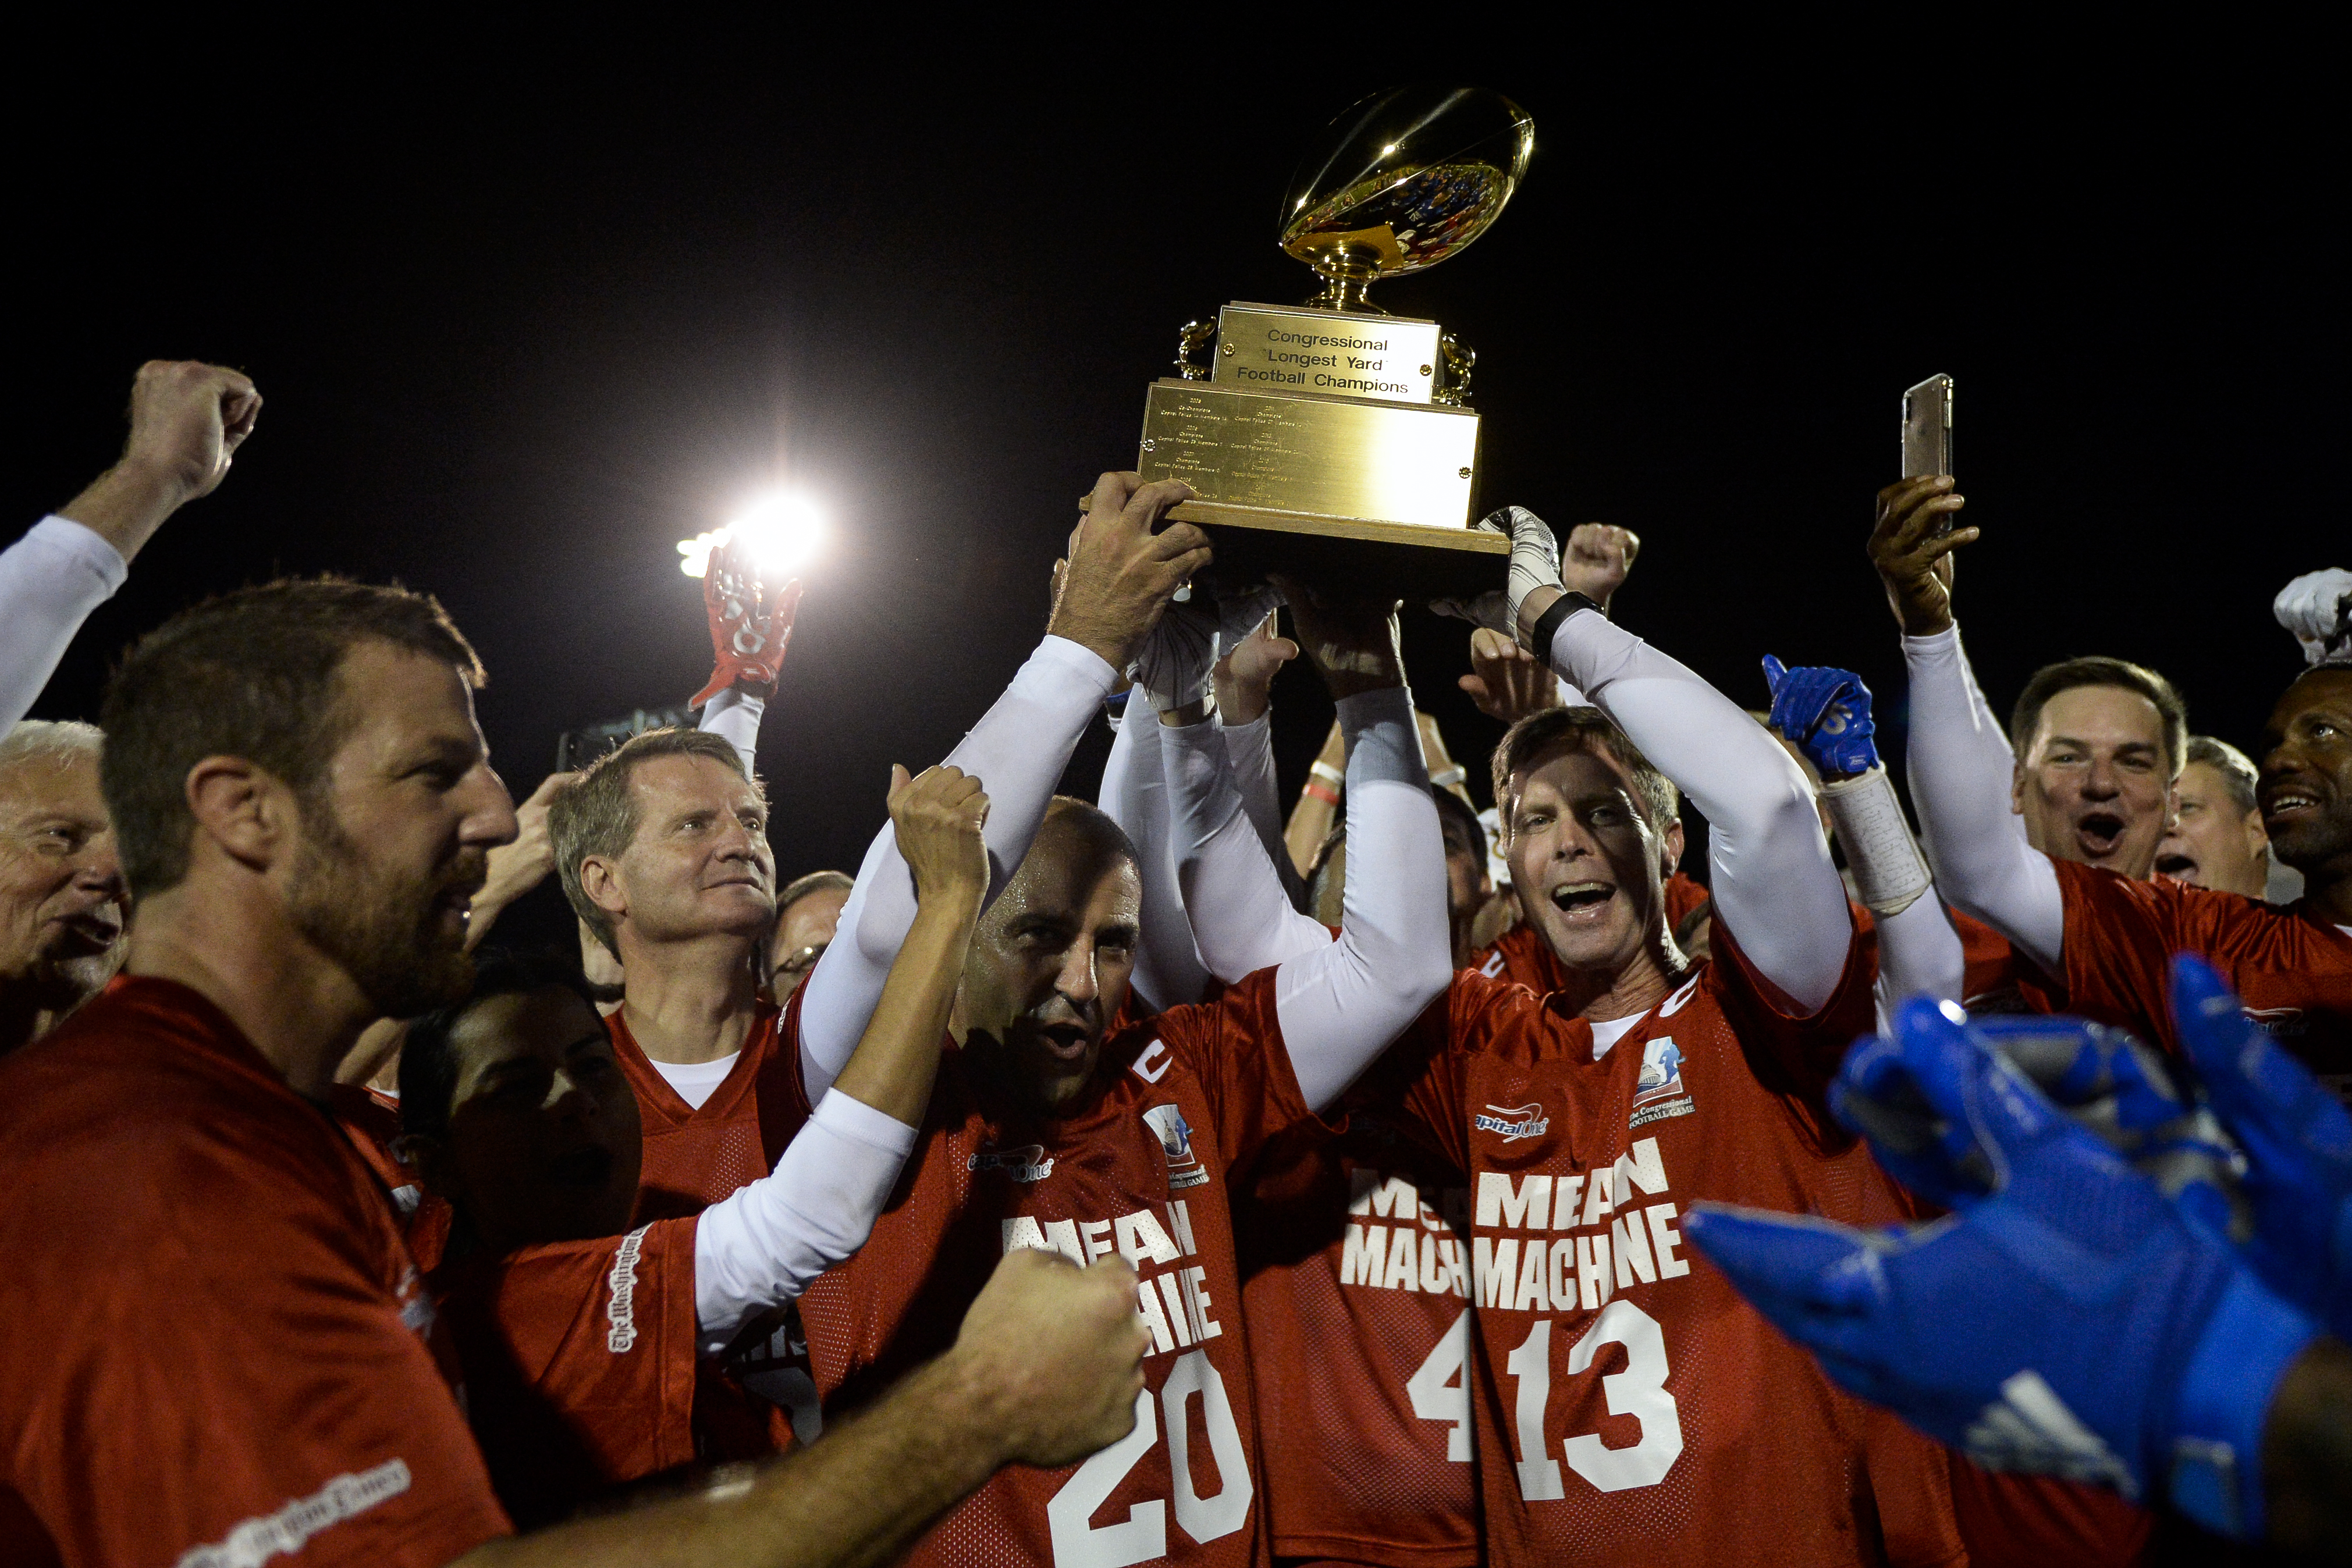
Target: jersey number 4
(1639,1391)
(1143,1534)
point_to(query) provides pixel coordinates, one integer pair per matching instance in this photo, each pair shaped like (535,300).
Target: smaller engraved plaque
(1265,348)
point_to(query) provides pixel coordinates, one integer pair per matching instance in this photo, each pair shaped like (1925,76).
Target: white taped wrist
(1889,871)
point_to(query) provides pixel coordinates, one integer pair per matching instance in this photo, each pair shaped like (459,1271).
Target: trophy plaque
(1331,439)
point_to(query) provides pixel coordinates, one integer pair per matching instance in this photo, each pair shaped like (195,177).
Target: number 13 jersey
(1631,1406)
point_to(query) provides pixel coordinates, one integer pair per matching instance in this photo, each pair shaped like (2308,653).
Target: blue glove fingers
(1775,673)
(1873,1094)
(1794,1268)
(2297,1140)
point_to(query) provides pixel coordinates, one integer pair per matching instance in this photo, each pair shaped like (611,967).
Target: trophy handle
(1457,357)
(1192,341)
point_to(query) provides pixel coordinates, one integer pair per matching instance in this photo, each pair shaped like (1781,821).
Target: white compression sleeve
(1168,972)
(1918,953)
(1341,1004)
(736,715)
(1242,920)
(1017,751)
(1962,773)
(761,1245)
(1773,882)
(50,583)
(1249,752)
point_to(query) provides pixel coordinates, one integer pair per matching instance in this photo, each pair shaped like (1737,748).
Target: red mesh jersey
(2024,1522)
(1631,1406)
(372,1121)
(762,1395)
(2291,968)
(580,1362)
(695,1157)
(1142,1171)
(1355,1250)
(215,1350)
(1521,955)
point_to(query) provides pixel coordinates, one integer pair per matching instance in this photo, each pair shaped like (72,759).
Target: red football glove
(750,627)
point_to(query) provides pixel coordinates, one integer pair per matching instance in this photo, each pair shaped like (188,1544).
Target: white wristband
(1888,870)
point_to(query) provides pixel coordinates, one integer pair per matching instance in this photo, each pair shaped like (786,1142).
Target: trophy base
(1348,554)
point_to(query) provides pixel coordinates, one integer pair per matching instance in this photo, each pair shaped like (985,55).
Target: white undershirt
(695,1082)
(1607,1032)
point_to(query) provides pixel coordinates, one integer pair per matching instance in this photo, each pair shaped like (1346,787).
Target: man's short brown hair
(2097,670)
(596,813)
(255,674)
(1582,729)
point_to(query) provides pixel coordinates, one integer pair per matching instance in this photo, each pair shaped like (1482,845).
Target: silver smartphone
(1928,428)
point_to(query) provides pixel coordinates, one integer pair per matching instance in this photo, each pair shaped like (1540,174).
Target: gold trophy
(1332,439)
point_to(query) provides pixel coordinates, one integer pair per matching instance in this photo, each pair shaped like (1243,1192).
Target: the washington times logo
(1028,1163)
(1514,1122)
(1175,1134)
(1658,1093)
(621,1309)
(287,1532)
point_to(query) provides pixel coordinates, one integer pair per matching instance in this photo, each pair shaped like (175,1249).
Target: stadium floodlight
(783,527)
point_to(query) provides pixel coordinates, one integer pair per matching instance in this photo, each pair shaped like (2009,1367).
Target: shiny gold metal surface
(1401,182)
(1269,347)
(1313,458)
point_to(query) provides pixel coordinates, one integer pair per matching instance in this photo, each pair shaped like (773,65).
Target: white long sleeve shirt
(1962,773)
(50,583)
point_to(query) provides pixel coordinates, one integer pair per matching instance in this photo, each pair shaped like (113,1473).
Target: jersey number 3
(1143,1534)
(1639,1391)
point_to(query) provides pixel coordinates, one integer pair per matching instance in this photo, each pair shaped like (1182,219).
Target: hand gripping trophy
(1332,438)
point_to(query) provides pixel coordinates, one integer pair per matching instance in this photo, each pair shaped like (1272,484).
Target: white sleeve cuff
(853,1118)
(82,546)
(763,1244)
(1057,659)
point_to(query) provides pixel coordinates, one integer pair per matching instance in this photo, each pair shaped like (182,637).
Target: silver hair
(55,741)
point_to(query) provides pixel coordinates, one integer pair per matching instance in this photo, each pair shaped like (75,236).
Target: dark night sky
(521,330)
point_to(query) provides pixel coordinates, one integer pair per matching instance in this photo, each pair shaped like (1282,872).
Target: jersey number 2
(1143,1534)
(1639,1391)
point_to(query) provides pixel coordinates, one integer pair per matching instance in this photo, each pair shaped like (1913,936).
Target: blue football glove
(1825,714)
(2297,1141)
(2107,1083)
(2067,1321)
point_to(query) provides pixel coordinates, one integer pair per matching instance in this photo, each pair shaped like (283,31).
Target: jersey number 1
(1639,1391)
(1143,1534)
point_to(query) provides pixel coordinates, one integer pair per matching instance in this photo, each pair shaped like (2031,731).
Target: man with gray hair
(662,848)
(2216,839)
(62,901)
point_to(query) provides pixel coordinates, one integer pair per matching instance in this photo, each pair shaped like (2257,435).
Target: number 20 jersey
(1142,1172)
(1631,1406)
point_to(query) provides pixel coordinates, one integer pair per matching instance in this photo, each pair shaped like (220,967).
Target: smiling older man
(62,901)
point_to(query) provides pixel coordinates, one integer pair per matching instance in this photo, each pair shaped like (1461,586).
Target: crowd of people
(1175,1176)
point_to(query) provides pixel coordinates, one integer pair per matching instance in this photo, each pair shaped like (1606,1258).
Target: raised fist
(2317,608)
(1599,557)
(1056,1350)
(937,817)
(187,420)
